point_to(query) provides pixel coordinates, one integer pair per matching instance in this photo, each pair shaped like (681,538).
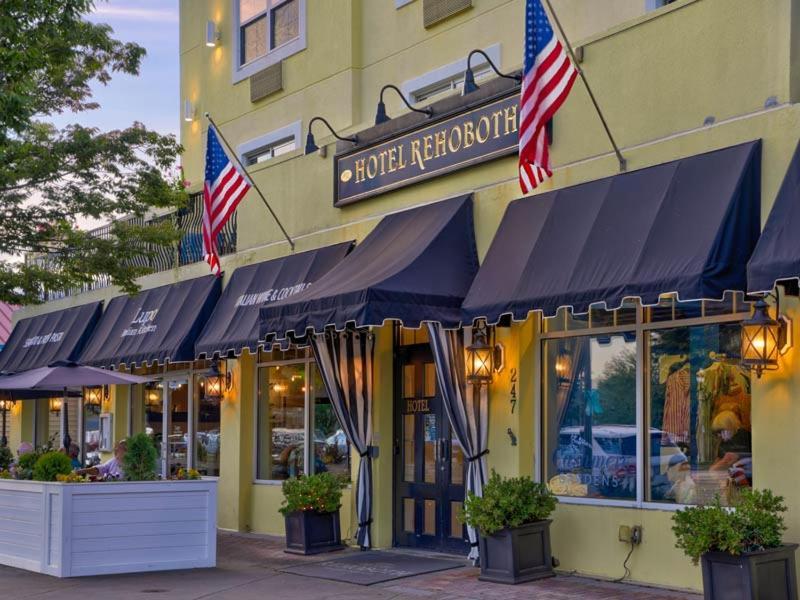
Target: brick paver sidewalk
(249,567)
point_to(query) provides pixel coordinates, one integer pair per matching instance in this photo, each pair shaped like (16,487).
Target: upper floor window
(266,31)
(271,145)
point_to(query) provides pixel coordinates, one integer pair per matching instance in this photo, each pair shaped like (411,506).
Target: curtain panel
(345,362)
(467,408)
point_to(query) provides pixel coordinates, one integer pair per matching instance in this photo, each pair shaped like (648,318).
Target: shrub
(24,467)
(508,503)
(755,523)
(141,458)
(6,457)
(321,492)
(50,465)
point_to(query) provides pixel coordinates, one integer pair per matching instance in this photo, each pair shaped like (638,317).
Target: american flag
(224,188)
(547,79)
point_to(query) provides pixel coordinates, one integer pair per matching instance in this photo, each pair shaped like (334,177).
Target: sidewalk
(249,569)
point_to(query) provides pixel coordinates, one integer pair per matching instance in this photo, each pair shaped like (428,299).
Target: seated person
(74,455)
(112,468)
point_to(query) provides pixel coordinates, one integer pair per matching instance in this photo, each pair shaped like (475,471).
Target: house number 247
(513,394)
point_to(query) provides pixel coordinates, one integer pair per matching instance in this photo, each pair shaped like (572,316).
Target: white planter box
(75,529)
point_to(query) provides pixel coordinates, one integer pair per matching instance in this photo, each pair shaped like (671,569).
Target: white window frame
(401,3)
(445,73)
(650,5)
(641,328)
(243,71)
(293,130)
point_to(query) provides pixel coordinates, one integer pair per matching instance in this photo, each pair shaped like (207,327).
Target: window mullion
(309,422)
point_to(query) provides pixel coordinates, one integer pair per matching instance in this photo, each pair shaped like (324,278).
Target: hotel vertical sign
(433,149)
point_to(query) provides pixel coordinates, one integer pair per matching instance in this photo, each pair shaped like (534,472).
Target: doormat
(371,567)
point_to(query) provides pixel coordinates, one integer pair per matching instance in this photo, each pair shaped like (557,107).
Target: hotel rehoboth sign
(431,150)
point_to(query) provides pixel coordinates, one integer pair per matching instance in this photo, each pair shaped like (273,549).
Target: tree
(50,177)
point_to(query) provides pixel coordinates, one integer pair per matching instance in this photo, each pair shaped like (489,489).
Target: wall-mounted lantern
(93,396)
(217,383)
(484,356)
(764,339)
(563,365)
(189,111)
(55,405)
(212,34)
(5,407)
(153,396)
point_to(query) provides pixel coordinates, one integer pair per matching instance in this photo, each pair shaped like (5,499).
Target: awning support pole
(620,158)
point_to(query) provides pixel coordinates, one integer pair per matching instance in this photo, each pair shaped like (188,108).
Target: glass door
(429,465)
(175,443)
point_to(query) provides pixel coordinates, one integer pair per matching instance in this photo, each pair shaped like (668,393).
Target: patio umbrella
(63,375)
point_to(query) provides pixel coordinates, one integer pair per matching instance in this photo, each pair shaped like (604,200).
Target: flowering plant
(187,474)
(321,492)
(72,478)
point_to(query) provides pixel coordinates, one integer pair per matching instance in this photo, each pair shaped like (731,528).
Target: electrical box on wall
(630,534)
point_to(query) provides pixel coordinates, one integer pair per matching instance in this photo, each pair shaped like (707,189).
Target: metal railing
(159,258)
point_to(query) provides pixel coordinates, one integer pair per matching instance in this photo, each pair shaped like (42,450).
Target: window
(298,431)
(590,405)
(449,78)
(266,31)
(656,4)
(271,145)
(207,433)
(647,404)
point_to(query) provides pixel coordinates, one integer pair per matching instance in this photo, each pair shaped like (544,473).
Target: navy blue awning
(777,254)
(687,226)
(234,324)
(158,325)
(44,339)
(415,266)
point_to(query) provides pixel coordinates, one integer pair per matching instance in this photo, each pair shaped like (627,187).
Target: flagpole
(252,183)
(620,158)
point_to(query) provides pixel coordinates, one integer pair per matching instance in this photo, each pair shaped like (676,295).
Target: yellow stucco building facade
(673,79)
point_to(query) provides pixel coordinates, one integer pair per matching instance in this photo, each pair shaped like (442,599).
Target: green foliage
(141,458)
(508,503)
(321,492)
(25,463)
(50,465)
(755,523)
(6,457)
(49,57)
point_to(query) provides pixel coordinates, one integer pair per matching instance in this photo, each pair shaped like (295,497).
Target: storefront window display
(699,399)
(298,432)
(674,370)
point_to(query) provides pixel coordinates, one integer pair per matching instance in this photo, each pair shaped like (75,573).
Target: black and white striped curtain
(345,363)
(467,409)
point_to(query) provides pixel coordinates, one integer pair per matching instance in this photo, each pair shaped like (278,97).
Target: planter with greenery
(50,465)
(741,548)
(512,520)
(311,512)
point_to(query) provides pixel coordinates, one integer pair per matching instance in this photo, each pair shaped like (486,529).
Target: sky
(153,97)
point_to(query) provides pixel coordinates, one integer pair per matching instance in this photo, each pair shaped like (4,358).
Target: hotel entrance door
(429,464)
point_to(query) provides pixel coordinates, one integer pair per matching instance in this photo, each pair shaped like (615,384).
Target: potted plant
(512,520)
(741,548)
(141,458)
(311,512)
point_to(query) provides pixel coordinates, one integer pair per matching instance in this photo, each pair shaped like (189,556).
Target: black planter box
(517,555)
(764,575)
(310,532)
